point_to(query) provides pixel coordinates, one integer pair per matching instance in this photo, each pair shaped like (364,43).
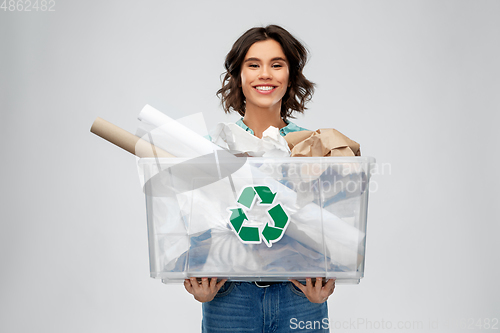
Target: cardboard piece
(125,140)
(323,142)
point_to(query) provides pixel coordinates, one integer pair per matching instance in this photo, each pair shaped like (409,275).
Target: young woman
(264,83)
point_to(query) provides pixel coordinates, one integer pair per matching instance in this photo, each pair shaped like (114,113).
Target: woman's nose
(265,73)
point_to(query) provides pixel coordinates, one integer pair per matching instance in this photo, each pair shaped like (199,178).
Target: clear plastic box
(257,219)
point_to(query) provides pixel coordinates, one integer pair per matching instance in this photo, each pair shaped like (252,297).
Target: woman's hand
(205,290)
(316,293)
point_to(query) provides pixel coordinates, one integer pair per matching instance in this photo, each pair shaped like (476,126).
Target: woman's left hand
(316,293)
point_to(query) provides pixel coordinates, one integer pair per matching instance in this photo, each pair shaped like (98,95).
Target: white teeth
(266,88)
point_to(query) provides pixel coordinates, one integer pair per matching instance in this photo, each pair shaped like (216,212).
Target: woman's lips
(265,89)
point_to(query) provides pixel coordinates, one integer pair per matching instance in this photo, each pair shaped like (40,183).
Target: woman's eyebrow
(273,59)
(252,59)
(278,58)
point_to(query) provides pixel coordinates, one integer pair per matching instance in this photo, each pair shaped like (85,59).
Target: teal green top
(290,127)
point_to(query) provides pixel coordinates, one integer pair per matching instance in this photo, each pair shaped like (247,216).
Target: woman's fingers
(204,283)
(194,283)
(330,286)
(188,286)
(315,291)
(298,285)
(319,284)
(205,290)
(220,283)
(309,283)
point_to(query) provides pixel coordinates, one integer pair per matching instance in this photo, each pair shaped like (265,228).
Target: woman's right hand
(205,290)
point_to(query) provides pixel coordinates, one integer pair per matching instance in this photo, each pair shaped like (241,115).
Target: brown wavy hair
(297,95)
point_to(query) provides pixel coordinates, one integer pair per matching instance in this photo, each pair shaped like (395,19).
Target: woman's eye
(253,65)
(277,65)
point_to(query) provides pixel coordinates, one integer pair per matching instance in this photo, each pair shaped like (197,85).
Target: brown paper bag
(323,142)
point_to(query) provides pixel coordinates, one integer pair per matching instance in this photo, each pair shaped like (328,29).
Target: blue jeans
(245,307)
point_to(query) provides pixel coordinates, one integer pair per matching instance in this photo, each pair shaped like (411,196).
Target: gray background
(415,82)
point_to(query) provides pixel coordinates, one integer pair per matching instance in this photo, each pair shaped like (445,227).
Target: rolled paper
(183,142)
(125,140)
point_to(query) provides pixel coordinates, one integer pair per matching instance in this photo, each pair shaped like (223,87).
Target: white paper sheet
(237,141)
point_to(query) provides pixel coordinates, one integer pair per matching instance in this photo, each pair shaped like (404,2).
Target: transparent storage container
(257,219)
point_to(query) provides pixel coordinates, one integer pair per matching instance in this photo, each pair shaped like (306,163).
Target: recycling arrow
(271,232)
(246,197)
(265,194)
(246,234)
(237,218)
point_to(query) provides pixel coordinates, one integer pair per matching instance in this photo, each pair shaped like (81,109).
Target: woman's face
(264,75)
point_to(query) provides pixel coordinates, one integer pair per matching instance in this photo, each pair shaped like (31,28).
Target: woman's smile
(265,89)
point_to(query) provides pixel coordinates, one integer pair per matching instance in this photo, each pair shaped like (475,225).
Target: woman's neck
(259,120)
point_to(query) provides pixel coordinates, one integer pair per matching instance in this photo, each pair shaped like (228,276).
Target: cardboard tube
(125,140)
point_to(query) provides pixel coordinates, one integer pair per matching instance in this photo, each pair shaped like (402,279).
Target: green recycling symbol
(253,234)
